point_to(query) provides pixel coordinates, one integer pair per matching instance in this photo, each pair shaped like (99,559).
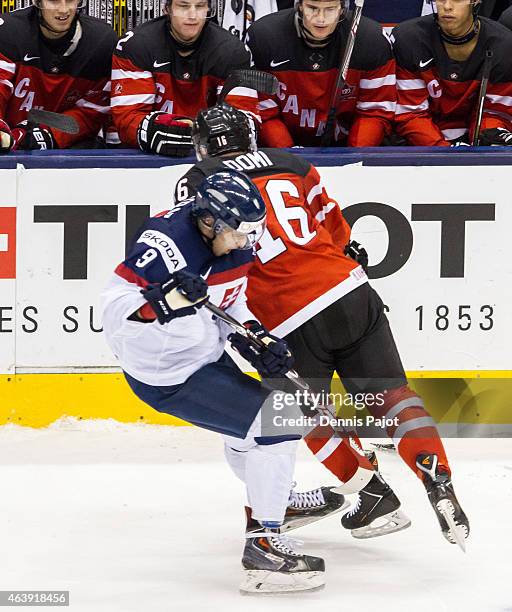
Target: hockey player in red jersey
(167,70)
(305,287)
(305,56)
(343,456)
(55,58)
(440,62)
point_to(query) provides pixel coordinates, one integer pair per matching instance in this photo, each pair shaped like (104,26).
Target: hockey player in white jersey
(171,350)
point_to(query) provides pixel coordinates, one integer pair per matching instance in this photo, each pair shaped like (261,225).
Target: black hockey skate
(375,512)
(311,506)
(372,458)
(454,523)
(305,508)
(272,566)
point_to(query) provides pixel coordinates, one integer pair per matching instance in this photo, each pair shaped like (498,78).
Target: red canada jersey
(36,73)
(296,115)
(149,74)
(437,96)
(300,267)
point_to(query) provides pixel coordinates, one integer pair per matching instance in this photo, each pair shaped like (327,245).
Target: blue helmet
(234,202)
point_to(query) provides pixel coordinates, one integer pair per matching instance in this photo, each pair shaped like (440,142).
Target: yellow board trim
(37,400)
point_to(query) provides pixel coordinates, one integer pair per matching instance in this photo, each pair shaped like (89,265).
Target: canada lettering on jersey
(32,75)
(149,73)
(296,114)
(437,96)
(300,266)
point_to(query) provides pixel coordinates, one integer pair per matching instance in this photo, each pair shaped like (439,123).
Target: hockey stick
(254,79)
(486,73)
(56,121)
(240,329)
(341,77)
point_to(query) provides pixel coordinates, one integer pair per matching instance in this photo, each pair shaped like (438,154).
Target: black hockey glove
(495,137)
(165,134)
(181,296)
(30,137)
(273,360)
(357,253)
(6,138)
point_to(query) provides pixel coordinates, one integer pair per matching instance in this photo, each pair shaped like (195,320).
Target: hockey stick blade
(254,79)
(56,121)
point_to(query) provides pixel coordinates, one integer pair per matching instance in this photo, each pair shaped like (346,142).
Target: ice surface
(149,518)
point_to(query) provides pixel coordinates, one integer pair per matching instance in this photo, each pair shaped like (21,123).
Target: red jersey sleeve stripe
(229,275)
(129,275)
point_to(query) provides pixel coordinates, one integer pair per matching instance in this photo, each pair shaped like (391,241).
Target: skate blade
(387,448)
(256,582)
(395,521)
(457,532)
(307,520)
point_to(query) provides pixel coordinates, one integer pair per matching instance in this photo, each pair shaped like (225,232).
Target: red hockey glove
(6,138)
(29,137)
(165,134)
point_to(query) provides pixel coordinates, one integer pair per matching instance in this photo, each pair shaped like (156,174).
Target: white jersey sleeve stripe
(135,99)
(389,79)
(130,74)
(7,66)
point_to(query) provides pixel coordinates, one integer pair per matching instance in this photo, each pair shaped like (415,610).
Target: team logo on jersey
(347,91)
(230,296)
(118,89)
(186,75)
(72,97)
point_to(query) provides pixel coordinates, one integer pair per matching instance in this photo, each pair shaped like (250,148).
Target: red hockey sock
(343,456)
(416,431)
